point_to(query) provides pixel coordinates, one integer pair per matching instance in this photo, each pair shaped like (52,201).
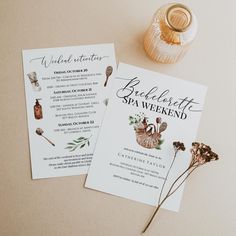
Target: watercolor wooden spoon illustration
(109,71)
(40,132)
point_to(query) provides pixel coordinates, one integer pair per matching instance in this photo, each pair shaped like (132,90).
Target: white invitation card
(66,96)
(147,112)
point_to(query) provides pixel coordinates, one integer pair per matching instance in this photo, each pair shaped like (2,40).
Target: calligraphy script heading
(156,100)
(61,59)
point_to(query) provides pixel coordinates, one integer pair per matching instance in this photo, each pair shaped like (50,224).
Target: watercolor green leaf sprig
(80,142)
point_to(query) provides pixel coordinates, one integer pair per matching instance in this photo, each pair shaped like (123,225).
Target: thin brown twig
(167,175)
(158,207)
(194,168)
(201,154)
(183,181)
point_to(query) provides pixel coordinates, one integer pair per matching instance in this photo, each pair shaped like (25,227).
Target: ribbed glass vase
(173,28)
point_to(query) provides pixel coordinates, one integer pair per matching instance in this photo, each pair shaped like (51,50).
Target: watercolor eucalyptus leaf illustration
(80,142)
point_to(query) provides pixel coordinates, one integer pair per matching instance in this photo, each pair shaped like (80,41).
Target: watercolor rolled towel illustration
(148,135)
(34,81)
(109,71)
(40,132)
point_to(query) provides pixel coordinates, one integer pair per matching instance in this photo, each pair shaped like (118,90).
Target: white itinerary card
(66,90)
(147,112)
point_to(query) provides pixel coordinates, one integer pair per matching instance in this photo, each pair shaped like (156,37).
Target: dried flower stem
(182,181)
(167,175)
(193,166)
(201,154)
(165,198)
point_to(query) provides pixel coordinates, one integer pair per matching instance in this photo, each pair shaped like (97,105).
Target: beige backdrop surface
(61,206)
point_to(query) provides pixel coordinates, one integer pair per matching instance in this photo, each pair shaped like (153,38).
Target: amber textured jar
(173,28)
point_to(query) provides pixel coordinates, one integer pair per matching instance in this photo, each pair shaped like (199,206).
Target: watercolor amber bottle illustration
(148,135)
(38,112)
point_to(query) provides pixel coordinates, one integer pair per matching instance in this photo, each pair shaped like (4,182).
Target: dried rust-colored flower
(158,120)
(179,146)
(202,153)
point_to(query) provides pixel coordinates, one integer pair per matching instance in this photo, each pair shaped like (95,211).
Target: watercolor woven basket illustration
(148,135)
